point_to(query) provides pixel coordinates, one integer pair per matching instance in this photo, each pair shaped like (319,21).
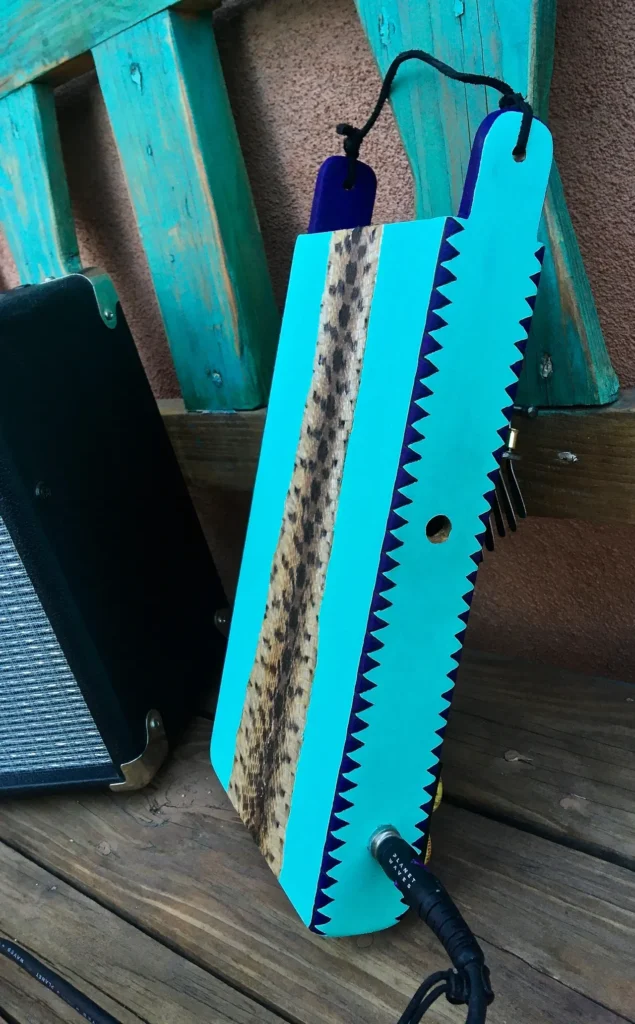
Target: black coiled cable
(467,982)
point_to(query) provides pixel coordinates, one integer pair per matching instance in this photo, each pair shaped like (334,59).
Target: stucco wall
(559,591)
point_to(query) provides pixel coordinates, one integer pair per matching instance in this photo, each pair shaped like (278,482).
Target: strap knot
(512,99)
(458,988)
(353,139)
(355,136)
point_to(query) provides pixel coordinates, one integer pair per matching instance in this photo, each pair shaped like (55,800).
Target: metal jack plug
(467,981)
(508,504)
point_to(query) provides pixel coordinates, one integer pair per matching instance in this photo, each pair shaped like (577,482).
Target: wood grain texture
(216,450)
(575,464)
(558,925)
(271,730)
(29,1002)
(578,464)
(165,94)
(35,207)
(566,361)
(41,35)
(125,972)
(218,454)
(550,749)
(566,905)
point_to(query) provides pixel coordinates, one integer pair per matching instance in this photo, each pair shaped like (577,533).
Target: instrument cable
(467,981)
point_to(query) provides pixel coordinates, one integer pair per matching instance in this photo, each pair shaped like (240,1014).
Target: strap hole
(438,529)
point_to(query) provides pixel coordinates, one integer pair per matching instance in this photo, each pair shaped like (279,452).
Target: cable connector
(469,981)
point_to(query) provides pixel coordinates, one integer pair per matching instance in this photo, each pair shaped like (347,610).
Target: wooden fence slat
(40,35)
(35,208)
(578,464)
(163,87)
(566,361)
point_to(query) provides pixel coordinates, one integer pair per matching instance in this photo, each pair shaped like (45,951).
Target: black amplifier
(108,592)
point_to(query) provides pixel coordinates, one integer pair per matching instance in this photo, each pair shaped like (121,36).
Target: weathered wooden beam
(35,208)
(575,463)
(39,36)
(218,449)
(566,362)
(218,454)
(579,464)
(164,90)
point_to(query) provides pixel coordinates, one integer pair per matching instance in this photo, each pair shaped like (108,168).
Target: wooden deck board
(557,924)
(567,914)
(125,972)
(550,749)
(29,1002)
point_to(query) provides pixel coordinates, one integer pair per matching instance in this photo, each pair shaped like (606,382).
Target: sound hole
(438,529)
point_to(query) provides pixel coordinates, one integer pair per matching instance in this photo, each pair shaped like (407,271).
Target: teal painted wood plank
(566,362)
(35,209)
(39,35)
(165,94)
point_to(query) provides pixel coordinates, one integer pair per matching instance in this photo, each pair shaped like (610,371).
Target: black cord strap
(457,989)
(509,99)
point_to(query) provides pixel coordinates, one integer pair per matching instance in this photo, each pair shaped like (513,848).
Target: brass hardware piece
(507,502)
(139,772)
(105,294)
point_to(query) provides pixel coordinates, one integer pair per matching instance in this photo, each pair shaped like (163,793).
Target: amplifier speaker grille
(108,591)
(44,720)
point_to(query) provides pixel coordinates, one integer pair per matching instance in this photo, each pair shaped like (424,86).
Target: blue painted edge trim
(474,163)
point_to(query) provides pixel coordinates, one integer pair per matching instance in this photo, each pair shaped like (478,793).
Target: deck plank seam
(8,1018)
(577,845)
(559,981)
(120,913)
(552,734)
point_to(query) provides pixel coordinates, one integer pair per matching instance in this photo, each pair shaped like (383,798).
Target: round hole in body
(438,529)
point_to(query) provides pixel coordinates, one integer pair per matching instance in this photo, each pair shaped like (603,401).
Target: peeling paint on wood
(438,118)
(39,36)
(35,208)
(165,94)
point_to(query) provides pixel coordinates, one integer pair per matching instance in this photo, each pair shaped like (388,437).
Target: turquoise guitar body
(398,360)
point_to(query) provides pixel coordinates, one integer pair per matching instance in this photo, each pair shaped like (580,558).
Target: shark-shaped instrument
(388,421)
